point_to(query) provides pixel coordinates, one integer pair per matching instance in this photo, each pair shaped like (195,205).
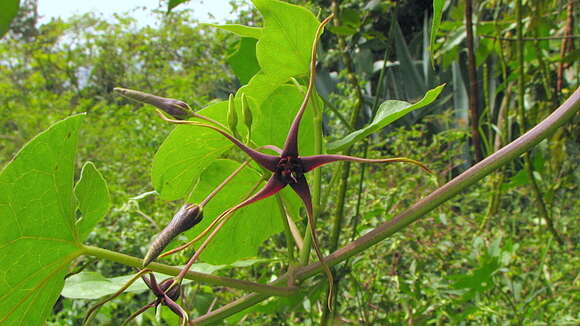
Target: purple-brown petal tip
(312,162)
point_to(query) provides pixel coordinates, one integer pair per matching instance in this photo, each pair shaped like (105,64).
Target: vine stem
(498,159)
(191,275)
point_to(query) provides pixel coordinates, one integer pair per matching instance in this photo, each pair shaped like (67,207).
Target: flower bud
(176,108)
(246,112)
(187,216)
(233,117)
(174,292)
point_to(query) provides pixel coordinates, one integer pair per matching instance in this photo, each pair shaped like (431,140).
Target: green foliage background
(444,269)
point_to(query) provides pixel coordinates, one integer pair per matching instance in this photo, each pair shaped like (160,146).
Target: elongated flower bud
(187,216)
(233,117)
(176,108)
(248,119)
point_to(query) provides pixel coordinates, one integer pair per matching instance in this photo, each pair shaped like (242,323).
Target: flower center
(290,169)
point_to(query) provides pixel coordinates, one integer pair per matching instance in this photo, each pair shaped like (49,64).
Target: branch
(196,276)
(498,159)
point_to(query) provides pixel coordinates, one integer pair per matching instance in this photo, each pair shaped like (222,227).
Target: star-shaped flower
(288,167)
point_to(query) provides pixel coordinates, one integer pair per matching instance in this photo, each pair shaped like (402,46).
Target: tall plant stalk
(473,92)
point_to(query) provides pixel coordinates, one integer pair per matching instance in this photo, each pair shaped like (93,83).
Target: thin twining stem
(264,160)
(90,314)
(207,229)
(210,279)
(223,184)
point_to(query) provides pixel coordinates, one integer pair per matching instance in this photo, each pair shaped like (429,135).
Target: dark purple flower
(166,295)
(288,169)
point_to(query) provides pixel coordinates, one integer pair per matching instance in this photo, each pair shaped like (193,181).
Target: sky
(139,9)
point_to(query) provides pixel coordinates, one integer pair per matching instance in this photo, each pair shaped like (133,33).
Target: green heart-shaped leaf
(38,237)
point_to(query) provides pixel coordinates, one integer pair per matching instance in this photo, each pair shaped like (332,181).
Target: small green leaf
(8,10)
(342,30)
(248,228)
(244,62)
(93,197)
(174,3)
(388,112)
(241,30)
(286,42)
(93,285)
(437,14)
(186,152)
(38,239)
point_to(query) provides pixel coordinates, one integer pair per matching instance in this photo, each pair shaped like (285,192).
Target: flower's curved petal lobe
(291,144)
(312,162)
(303,191)
(273,186)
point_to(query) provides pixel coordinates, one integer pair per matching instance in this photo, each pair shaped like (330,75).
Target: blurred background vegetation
(487,257)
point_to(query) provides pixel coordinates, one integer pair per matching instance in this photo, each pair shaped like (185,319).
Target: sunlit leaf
(283,50)
(388,112)
(185,153)
(241,30)
(93,197)
(245,232)
(244,62)
(277,114)
(8,10)
(37,229)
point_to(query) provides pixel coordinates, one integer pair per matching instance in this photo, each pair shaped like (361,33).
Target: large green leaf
(38,238)
(241,30)
(8,10)
(286,42)
(277,114)
(185,153)
(94,200)
(388,112)
(248,228)
(243,61)
(259,88)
